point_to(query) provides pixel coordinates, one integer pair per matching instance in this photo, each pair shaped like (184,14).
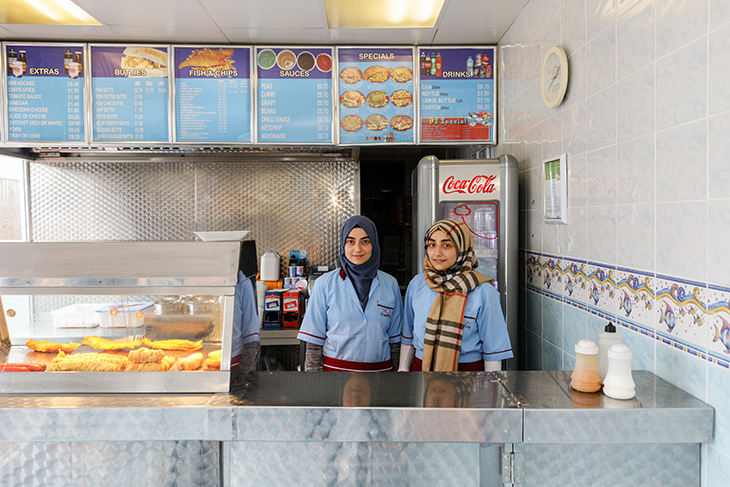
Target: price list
(213,94)
(129,94)
(294,95)
(457,102)
(45,93)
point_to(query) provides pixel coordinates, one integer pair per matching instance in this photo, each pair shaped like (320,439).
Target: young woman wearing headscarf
(354,316)
(452,316)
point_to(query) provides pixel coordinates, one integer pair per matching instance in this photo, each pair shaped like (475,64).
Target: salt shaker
(605,340)
(585,376)
(619,384)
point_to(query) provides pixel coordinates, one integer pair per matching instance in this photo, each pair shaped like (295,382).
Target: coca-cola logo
(477,184)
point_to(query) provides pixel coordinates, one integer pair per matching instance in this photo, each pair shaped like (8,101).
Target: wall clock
(554,77)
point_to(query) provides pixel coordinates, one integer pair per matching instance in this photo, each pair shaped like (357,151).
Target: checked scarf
(442,340)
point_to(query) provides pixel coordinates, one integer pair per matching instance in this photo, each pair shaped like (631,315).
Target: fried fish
(213,361)
(191,362)
(99,343)
(208,58)
(46,346)
(185,345)
(88,362)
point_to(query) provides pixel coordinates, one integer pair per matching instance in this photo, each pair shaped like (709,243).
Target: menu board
(376,101)
(45,93)
(457,96)
(213,94)
(130,99)
(294,95)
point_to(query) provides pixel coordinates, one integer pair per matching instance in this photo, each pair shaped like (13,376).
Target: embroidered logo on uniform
(467,324)
(385,311)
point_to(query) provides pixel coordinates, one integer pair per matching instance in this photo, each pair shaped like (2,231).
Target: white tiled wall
(646,126)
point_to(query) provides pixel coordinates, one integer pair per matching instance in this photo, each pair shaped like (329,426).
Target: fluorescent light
(379,14)
(55,12)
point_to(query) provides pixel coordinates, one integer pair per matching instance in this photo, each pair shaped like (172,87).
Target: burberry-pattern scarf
(442,340)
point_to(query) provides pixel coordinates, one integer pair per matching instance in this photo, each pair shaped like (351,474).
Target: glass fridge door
(481,219)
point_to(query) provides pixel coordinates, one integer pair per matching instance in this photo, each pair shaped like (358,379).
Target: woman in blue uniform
(354,316)
(452,316)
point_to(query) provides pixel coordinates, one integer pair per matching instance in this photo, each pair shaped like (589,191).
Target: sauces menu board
(130,99)
(376,96)
(45,93)
(457,97)
(213,94)
(294,95)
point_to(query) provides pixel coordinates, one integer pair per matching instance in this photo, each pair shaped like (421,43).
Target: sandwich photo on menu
(144,62)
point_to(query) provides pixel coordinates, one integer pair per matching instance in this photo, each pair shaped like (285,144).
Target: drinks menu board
(213,94)
(294,95)
(45,93)
(457,96)
(376,100)
(130,99)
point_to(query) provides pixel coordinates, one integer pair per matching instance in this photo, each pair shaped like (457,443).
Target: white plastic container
(270,266)
(77,316)
(605,340)
(619,383)
(117,315)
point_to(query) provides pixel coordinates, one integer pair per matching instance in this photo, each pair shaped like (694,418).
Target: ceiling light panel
(382,14)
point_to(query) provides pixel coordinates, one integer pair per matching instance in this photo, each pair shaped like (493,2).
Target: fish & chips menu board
(130,99)
(294,95)
(45,93)
(457,97)
(212,94)
(376,103)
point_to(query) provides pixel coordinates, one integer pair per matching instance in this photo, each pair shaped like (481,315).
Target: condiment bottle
(619,383)
(585,376)
(605,340)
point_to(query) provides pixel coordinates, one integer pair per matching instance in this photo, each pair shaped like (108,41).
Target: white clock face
(553,76)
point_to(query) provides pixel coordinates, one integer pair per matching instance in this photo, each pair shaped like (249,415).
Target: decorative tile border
(690,316)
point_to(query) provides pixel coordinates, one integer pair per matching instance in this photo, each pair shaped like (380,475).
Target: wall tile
(595,326)
(681,239)
(577,180)
(719,63)
(534,188)
(634,36)
(635,105)
(601,62)
(719,14)
(574,234)
(601,119)
(533,147)
(575,287)
(574,327)
(681,312)
(534,106)
(718,213)
(682,370)
(552,239)
(573,26)
(601,177)
(601,288)
(682,92)
(719,162)
(552,357)
(599,15)
(718,321)
(513,67)
(718,468)
(533,61)
(601,233)
(681,163)
(718,396)
(577,84)
(534,351)
(635,170)
(574,129)
(642,349)
(514,125)
(552,143)
(552,326)
(533,230)
(679,22)
(635,302)
(534,313)
(635,236)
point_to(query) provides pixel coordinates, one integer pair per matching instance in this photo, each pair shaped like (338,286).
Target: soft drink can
(300,271)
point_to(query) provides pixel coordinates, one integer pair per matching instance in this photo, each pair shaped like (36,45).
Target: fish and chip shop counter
(201,427)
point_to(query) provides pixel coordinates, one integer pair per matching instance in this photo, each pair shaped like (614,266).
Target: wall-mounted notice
(376,102)
(45,93)
(213,94)
(130,99)
(294,95)
(457,97)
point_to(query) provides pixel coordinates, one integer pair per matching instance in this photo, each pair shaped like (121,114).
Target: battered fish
(163,366)
(191,362)
(213,362)
(46,346)
(207,58)
(99,343)
(88,362)
(185,345)
(146,355)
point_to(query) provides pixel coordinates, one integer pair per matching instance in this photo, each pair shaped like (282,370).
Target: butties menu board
(130,99)
(376,100)
(294,95)
(457,97)
(213,94)
(45,93)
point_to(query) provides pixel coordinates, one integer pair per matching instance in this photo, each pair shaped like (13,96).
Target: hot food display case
(117,317)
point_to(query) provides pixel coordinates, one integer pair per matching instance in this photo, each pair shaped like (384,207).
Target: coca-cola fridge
(483,193)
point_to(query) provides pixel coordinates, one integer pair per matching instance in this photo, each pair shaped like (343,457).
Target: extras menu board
(457,96)
(294,95)
(213,94)
(376,97)
(45,93)
(130,99)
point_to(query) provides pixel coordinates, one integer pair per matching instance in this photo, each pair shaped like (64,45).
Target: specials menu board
(457,96)
(213,94)
(294,95)
(376,100)
(130,99)
(45,93)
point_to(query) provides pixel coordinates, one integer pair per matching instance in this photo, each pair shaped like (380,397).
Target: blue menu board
(294,91)
(213,94)
(45,93)
(130,100)
(457,96)
(376,104)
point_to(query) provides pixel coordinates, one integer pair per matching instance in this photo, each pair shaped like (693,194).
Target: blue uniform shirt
(335,319)
(484,335)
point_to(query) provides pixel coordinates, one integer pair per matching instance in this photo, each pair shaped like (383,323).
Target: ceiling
(293,22)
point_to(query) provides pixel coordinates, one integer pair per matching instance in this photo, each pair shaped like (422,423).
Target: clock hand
(557,72)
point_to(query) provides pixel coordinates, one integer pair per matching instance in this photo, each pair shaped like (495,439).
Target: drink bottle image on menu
(423,63)
(470,65)
(24,60)
(77,59)
(438,64)
(428,65)
(433,64)
(477,65)
(12,57)
(67,58)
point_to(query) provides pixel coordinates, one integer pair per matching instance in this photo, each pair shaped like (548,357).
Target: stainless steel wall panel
(10,209)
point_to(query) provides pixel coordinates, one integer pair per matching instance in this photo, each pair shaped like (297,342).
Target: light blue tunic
(484,334)
(335,319)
